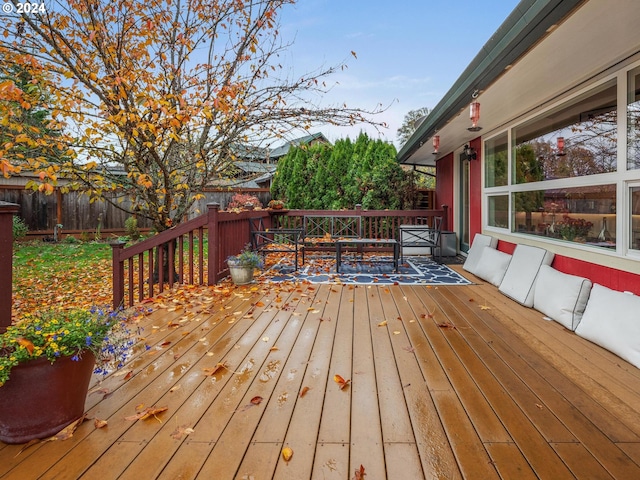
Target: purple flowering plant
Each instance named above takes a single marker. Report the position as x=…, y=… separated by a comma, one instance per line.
x=57, y=333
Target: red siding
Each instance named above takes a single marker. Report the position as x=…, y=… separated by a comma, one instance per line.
x=445, y=186
x=607, y=276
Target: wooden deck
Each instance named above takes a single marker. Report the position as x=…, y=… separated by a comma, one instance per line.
x=448, y=382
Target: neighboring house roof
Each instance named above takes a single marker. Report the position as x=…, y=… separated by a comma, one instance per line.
x=529, y=22
x=282, y=150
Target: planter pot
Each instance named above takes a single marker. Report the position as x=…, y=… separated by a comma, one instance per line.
x=41, y=398
x=241, y=275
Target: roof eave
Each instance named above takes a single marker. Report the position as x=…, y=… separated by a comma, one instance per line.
x=529, y=22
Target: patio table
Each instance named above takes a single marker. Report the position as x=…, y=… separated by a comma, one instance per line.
x=363, y=242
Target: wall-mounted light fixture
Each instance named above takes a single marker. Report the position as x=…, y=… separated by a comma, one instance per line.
x=474, y=114
x=436, y=144
x=470, y=153
x=561, y=152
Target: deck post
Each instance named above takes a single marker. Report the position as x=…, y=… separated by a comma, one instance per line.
x=7, y=211
x=117, y=274
x=213, y=249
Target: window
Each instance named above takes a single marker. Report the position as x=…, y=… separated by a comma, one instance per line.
x=498, y=211
x=579, y=214
x=633, y=120
x=634, y=228
x=588, y=126
x=496, y=161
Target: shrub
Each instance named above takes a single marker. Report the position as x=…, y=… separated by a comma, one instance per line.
x=20, y=228
x=131, y=228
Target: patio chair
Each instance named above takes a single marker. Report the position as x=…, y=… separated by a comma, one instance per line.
x=422, y=236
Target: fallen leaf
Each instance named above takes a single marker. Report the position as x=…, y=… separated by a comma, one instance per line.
x=99, y=423
x=147, y=413
x=447, y=325
x=256, y=400
x=212, y=371
x=265, y=339
x=274, y=349
x=180, y=432
x=383, y=323
x=342, y=383
x=304, y=391
x=359, y=473
x=396, y=332
x=287, y=453
x=485, y=307
x=28, y=344
x=67, y=432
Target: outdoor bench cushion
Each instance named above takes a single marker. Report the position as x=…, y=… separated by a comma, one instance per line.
x=520, y=278
x=612, y=321
x=560, y=296
x=492, y=265
x=475, y=252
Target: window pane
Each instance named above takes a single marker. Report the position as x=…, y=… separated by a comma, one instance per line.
x=635, y=219
x=581, y=214
x=495, y=154
x=499, y=211
x=589, y=129
x=633, y=120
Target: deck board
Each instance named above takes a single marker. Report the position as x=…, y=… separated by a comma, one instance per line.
x=504, y=394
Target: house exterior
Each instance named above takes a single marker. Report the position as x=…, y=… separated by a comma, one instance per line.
x=553, y=153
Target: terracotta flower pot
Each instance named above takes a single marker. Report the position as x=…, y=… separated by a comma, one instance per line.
x=41, y=398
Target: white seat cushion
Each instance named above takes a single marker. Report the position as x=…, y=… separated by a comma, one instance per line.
x=520, y=278
x=473, y=256
x=560, y=296
x=612, y=320
x=492, y=265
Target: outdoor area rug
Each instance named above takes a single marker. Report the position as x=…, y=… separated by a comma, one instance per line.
x=374, y=270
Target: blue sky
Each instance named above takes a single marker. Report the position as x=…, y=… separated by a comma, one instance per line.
x=409, y=52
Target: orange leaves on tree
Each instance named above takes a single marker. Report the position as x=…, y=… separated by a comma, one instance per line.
x=342, y=383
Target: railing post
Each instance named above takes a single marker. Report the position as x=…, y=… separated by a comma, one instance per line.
x=7, y=211
x=118, y=274
x=213, y=250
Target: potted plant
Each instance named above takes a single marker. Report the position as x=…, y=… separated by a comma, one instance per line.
x=276, y=204
x=242, y=266
x=46, y=363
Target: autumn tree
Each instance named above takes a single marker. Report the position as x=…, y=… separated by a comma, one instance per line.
x=410, y=123
x=156, y=96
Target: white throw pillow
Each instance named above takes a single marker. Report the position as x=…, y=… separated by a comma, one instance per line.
x=560, y=296
x=520, y=278
x=612, y=320
x=492, y=265
x=475, y=252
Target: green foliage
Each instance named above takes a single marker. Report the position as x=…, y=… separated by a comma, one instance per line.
x=20, y=228
x=247, y=258
x=410, y=123
x=325, y=177
x=131, y=228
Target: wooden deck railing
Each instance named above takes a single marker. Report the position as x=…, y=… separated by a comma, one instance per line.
x=197, y=250
x=7, y=211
